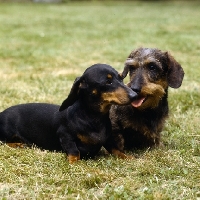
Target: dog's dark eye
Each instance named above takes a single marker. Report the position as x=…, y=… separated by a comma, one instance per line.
x=109, y=82
x=152, y=67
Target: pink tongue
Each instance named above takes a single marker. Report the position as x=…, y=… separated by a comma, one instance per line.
x=137, y=102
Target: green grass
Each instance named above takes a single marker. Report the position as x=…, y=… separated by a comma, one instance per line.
x=43, y=47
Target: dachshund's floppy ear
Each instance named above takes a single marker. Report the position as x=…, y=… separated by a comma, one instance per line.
x=175, y=72
x=73, y=95
x=129, y=61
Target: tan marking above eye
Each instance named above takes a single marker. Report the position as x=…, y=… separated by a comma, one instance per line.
x=109, y=76
x=94, y=92
x=152, y=61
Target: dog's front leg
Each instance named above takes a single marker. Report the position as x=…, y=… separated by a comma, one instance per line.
x=68, y=145
x=115, y=146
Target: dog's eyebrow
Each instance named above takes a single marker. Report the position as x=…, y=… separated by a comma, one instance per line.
x=152, y=59
x=109, y=76
x=94, y=92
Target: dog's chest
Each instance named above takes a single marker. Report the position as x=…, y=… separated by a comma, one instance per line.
x=94, y=134
x=145, y=123
x=125, y=118
x=134, y=125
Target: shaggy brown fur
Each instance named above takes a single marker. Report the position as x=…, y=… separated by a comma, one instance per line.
x=139, y=125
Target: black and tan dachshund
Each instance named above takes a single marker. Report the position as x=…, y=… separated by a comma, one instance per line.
x=139, y=124
x=80, y=126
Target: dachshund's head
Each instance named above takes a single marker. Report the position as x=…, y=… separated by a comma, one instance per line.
x=151, y=72
x=98, y=88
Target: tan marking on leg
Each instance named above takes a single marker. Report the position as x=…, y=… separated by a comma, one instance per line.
x=72, y=158
x=121, y=155
x=16, y=145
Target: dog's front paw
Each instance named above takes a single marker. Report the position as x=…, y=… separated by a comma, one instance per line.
x=17, y=145
x=121, y=155
x=72, y=158
x=129, y=157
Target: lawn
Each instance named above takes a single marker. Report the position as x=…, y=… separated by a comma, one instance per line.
x=43, y=47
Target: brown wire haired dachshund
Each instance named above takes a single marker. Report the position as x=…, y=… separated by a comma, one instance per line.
x=139, y=124
x=80, y=126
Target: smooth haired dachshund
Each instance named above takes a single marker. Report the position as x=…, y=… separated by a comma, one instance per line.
x=139, y=124
x=80, y=126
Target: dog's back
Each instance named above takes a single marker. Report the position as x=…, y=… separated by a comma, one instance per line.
x=31, y=123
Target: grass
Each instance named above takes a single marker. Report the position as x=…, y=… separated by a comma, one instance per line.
x=43, y=47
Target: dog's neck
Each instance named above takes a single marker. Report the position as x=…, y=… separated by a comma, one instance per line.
x=95, y=109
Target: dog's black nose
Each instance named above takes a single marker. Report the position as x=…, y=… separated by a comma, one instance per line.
x=136, y=86
x=136, y=89
x=132, y=95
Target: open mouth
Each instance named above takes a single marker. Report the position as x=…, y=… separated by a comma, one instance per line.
x=138, y=102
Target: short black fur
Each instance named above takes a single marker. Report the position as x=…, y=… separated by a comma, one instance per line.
x=80, y=126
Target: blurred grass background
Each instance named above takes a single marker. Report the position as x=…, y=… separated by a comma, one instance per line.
x=43, y=47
